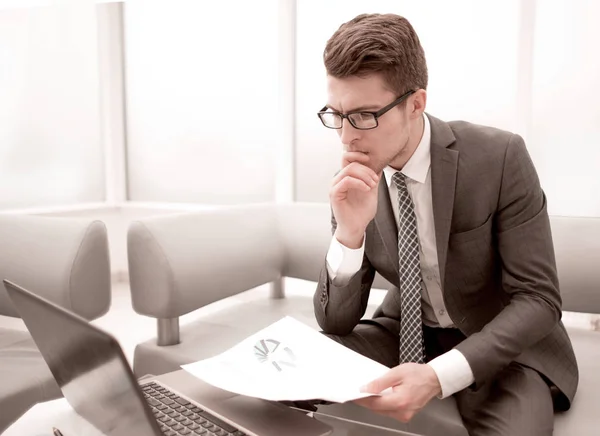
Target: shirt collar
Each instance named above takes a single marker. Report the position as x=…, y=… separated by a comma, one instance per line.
x=418, y=165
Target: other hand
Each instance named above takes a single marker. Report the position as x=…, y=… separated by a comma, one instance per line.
x=412, y=387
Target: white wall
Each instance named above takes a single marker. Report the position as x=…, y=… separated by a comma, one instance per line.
x=565, y=130
x=472, y=55
x=50, y=151
x=202, y=100
x=196, y=70
x=529, y=67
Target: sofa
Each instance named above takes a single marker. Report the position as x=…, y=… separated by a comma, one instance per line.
x=183, y=262
x=64, y=260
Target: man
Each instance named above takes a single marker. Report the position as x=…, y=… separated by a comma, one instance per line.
x=452, y=214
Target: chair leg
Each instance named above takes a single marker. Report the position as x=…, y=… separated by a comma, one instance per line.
x=168, y=331
x=277, y=288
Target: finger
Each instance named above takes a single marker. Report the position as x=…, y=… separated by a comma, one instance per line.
x=364, y=402
x=348, y=183
x=400, y=416
x=358, y=175
x=391, y=378
x=358, y=171
x=383, y=403
x=352, y=166
x=354, y=156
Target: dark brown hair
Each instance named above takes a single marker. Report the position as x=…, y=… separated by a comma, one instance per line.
x=378, y=43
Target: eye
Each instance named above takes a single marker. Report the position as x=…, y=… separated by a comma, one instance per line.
x=363, y=116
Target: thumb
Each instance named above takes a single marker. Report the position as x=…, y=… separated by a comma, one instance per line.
x=389, y=379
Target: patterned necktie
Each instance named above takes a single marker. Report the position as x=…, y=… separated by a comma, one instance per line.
x=411, y=330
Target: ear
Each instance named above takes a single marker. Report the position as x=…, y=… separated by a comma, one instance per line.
x=418, y=103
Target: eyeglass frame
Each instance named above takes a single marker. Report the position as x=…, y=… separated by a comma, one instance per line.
x=375, y=115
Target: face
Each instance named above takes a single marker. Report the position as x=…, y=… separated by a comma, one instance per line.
x=396, y=137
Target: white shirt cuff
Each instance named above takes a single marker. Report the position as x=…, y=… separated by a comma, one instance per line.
x=343, y=262
x=453, y=372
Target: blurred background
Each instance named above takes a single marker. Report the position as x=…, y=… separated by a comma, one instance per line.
x=120, y=110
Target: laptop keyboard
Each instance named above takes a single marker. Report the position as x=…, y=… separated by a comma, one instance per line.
x=176, y=416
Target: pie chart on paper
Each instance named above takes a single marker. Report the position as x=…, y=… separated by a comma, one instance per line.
x=272, y=352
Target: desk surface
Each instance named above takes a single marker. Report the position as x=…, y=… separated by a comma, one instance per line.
x=40, y=419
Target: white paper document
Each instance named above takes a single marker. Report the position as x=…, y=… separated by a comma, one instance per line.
x=289, y=361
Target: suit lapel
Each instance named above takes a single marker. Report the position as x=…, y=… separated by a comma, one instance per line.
x=444, y=165
x=386, y=224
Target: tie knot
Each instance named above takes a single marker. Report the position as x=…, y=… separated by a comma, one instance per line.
x=399, y=180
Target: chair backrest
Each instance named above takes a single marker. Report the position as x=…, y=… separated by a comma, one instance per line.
x=305, y=230
x=577, y=250
x=306, y=233
x=180, y=262
x=65, y=260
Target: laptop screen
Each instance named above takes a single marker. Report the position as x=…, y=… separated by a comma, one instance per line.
x=88, y=365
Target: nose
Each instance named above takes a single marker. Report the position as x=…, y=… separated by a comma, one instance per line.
x=348, y=133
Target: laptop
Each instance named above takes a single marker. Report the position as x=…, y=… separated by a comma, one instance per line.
x=95, y=378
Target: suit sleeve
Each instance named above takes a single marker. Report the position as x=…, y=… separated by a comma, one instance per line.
x=339, y=308
x=529, y=277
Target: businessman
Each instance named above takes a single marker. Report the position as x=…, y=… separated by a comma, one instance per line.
x=453, y=216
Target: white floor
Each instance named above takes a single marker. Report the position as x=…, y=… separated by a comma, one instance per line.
x=130, y=328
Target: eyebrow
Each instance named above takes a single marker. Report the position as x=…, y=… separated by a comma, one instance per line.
x=370, y=108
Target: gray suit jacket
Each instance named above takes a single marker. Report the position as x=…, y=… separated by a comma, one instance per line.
x=495, y=253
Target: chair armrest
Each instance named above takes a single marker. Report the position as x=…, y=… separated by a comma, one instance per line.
x=181, y=262
x=65, y=260
x=577, y=249
x=305, y=230
x=306, y=234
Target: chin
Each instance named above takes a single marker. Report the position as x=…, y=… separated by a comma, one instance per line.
x=378, y=166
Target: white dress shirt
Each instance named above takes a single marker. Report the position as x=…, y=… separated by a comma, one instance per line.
x=451, y=368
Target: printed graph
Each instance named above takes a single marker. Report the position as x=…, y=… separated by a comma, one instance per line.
x=271, y=351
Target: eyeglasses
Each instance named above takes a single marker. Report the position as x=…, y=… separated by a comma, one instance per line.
x=360, y=120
